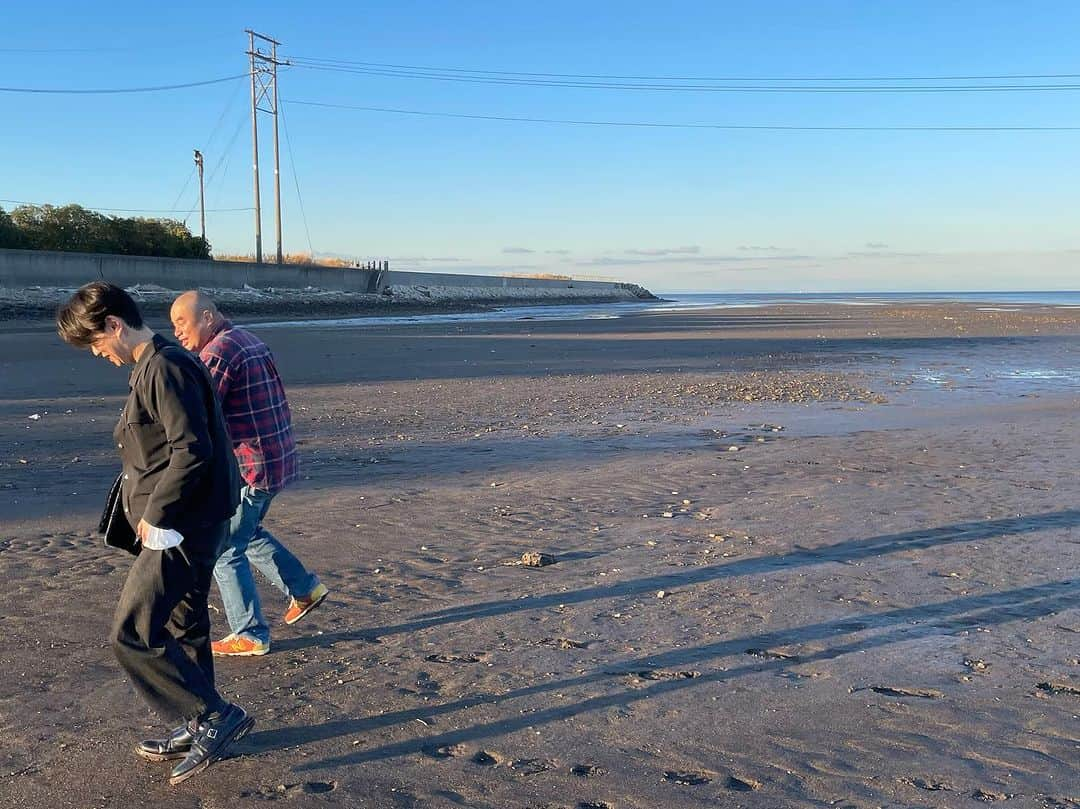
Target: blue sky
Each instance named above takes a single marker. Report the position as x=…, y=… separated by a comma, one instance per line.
x=674, y=209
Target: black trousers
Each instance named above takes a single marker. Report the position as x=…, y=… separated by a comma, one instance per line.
x=161, y=629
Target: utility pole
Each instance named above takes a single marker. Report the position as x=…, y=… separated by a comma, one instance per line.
x=202, y=194
x=264, y=88
x=277, y=161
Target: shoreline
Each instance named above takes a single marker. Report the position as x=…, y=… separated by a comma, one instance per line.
x=39, y=303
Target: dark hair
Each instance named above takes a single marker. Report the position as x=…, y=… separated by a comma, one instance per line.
x=83, y=316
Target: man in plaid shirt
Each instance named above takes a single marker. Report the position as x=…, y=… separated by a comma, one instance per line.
x=260, y=426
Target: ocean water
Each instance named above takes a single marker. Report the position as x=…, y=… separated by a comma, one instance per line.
x=746, y=299
x=683, y=301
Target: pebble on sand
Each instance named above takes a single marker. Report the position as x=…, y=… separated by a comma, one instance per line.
x=536, y=559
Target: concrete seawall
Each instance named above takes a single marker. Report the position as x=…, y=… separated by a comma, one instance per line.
x=41, y=268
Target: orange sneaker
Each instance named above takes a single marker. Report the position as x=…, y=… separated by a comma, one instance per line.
x=302, y=606
x=239, y=646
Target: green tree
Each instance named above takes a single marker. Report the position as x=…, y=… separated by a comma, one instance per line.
x=74, y=228
x=10, y=236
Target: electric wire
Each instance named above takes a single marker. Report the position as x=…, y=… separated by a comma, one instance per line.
x=123, y=210
x=116, y=90
x=296, y=180
x=662, y=125
x=209, y=141
x=706, y=88
x=1005, y=76
x=221, y=158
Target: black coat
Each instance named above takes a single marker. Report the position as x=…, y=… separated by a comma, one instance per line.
x=179, y=467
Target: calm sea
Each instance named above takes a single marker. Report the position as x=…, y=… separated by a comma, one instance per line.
x=687, y=299
x=682, y=301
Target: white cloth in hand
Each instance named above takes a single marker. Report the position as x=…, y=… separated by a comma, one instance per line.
x=158, y=539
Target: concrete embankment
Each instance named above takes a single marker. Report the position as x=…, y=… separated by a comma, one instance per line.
x=33, y=282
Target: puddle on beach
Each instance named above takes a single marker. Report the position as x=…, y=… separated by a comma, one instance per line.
x=977, y=379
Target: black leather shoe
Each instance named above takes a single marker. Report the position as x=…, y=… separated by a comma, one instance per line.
x=212, y=738
x=175, y=746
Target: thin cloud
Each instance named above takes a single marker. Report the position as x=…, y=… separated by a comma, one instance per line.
x=763, y=248
x=608, y=261
x=880, y=254
x=876, y=246
x=557, y=252
x=517, y=250
x=425, y=258
x=692, y=249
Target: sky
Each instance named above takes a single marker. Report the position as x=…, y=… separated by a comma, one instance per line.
x=674, y=209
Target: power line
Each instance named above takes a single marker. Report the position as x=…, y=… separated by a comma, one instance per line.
x=222, y=158
x=660, y=125
x=123, y=89
x=699, y=88
x=344, y=62
x=296, y=179
x=122, y=210
x=213, y=133
x=187, y=182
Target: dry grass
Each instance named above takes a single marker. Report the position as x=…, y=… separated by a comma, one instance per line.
x=292, y=258
x=546, y=276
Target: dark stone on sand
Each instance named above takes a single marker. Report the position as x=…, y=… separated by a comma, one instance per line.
x=535, y=559
x=975, y=664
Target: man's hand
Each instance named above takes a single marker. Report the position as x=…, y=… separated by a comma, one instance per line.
x=142, y=529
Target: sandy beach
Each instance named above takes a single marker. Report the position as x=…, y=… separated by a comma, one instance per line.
x=803, y=556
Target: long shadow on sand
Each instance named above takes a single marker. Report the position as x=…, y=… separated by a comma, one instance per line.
x=881, y=629
x=842, y=552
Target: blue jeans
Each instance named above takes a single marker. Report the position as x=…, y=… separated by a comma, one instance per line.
x=251, y=544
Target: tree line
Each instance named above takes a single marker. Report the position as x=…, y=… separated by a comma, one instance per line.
x=73, y=228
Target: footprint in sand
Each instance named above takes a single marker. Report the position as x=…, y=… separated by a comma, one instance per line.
x=922, y=783
x=293, y=790
x=441, y=658
x=742, y=784
x=448, y=751
x=1058, y=688
x=565, y=643
x=487, y=758
x=989, y=797
x=533, y=766
x=687, y=777
x=768, y=654
x=894, y=691
x=657, y=674
x=587, y=771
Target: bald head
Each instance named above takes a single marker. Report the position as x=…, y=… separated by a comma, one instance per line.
x=195, y=318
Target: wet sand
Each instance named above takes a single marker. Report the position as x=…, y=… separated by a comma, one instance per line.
x=804, y=556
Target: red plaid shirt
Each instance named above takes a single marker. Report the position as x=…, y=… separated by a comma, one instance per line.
x=256, y=410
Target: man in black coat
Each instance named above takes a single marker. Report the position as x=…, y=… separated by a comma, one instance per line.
x=179, y=489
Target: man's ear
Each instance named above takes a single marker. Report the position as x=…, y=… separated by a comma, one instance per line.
x=114, y=325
